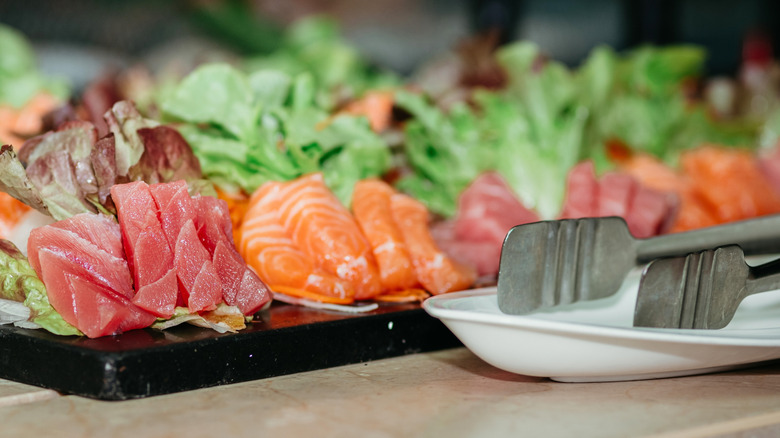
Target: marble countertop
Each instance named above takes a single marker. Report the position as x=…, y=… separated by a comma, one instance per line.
x=446, y=393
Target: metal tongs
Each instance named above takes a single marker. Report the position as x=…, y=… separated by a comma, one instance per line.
x=549, y=263
x=701, y=290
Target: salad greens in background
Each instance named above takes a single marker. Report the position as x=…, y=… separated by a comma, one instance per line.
x=247, y=129
x=20, y=79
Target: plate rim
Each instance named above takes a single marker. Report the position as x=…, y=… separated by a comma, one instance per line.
x=434, y=306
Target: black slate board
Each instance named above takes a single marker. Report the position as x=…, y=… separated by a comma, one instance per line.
x=284, y=339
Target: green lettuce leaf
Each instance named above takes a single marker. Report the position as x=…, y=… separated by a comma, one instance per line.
x=277, y=132
x=21, y=283
x=19, y=77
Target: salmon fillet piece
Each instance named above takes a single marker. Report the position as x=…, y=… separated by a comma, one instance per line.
x=371, y=207
x=437, y=272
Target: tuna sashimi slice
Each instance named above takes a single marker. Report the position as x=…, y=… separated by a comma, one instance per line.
x=241, y=287
x=212, y=220
x=101, y=314
x=437, y=272
x=160, y=297
x=105, y=236
x=83, y=256
x=147, y=245
x=269, y=249
x=87, y=286
x=616, y=190
x=174, y=205
x=371, y=206
x=138, y=218
x=484, y=256
x=488, y=209
x=581, y=192
x=200, y=284
x=648, y=212
x=324, y=229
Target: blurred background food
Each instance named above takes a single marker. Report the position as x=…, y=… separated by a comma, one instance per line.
x=666, y=113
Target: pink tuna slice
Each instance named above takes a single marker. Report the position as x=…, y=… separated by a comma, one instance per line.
x=483, y=256
x=87, y=285
x=241, y=287
x=97, y=235
x=581, y=192
x=83, y=256
x=488, y=209
x=200, y=285
x=149, y=253
x=616, y=190
x=648, y=212
x=175, y=206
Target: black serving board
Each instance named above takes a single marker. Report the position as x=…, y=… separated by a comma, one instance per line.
x=284, y=339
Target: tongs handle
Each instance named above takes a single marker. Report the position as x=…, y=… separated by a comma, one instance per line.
x=755, y=236
x=763, y=278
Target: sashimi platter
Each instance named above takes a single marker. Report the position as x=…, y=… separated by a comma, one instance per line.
x=291, y=210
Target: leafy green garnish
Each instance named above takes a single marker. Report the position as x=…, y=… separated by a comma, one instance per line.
x=21, y=283
x=19, y=77
x=249, y=129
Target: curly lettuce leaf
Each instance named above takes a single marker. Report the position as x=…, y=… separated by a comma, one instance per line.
x=69, y=171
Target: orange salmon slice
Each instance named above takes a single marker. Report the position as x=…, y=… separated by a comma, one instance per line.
x=371, y=207
x=437, y=272
x=267, y=246
x=325, y=230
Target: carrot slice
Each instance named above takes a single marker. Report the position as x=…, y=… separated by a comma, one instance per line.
x=308, y=295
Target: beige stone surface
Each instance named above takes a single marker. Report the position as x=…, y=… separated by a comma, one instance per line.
x=12, y=393
x=449, y=393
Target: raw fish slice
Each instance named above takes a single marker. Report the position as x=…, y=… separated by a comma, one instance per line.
x=647, y=213
x=200, y=284
x=267, y=247
x=371, y=206
x=484, y=256
x=96, y=235
x=581, y=192
x=160, y=297
x=241, y=287
x=91, y=307
x=488, y=209
x=730, y=181
x=615, y=193
x=11, y=212
x=148, y=249
x=174, y=205
x=212, y=220
x=100, y=313
x=687, y=210
x=437, y=272
x=327, y=232
x=83, y=257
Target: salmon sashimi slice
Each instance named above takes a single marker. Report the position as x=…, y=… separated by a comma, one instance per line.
x=325, y=230
x=267, y=246
x=11, y=212
x=731, y=182
x=691, y=212
x=437, y=272
x=371, y=207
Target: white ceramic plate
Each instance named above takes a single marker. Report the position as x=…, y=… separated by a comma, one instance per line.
x=595, y=341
